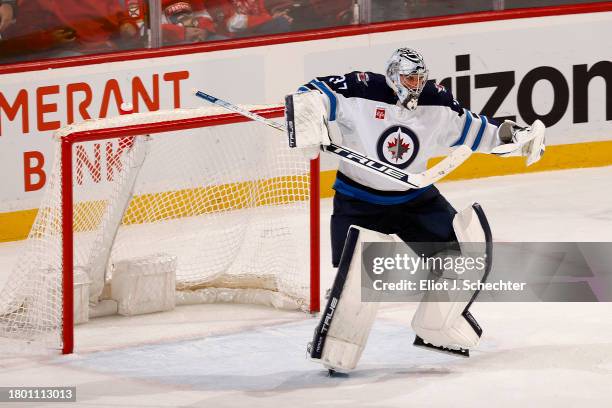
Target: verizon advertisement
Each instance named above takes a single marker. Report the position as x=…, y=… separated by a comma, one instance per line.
x=546, y=68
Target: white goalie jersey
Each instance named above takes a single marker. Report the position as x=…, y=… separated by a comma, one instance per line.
x=366, y=111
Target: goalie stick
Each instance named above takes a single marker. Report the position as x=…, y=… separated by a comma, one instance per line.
x=412, y=180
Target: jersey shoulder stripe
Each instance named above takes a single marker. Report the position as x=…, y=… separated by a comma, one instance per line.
x=333, y=101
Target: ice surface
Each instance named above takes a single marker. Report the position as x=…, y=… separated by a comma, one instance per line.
x=249, y=361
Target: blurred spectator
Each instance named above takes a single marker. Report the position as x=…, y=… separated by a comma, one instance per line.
x=182, y=21
x=50, y=28
x=7, y=13
x=241, y=18
x=311, y=14
x=186, y=21
x=180, y=24
x=333, y=13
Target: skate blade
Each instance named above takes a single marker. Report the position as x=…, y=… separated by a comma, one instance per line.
x=418, y=342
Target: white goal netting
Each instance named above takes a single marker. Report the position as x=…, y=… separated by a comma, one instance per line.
x=229, y=202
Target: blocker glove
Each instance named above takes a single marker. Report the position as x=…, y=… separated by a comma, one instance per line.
x=307, y=127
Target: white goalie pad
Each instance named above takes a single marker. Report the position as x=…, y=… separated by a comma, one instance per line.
x=343, y=331
x=306, y=115
x=442, y=320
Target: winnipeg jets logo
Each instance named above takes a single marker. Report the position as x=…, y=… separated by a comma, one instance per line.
x=398, y=145
x=397, y=148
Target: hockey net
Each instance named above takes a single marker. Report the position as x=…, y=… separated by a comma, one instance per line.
x=221, y=198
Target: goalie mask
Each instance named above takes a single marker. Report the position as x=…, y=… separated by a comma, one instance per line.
x=407, y=74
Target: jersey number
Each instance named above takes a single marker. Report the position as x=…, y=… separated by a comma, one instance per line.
x=339, y=80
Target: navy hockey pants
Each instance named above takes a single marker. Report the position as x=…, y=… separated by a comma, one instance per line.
x=427, y=218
